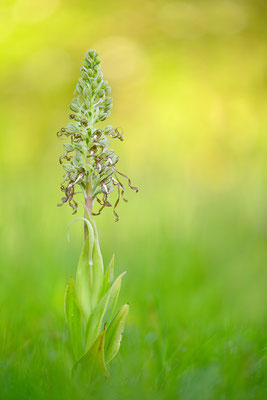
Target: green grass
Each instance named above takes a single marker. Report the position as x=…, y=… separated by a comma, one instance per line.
x=192, y=100
x=196, y=328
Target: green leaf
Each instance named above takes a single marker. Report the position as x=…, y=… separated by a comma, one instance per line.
x=98, y=271
x=84, y=276
x=74, y=320
x=97, y=252
x=102, y=313
x=109, y=276
x=92, y=364
x=98, y=267
x=114, y=333
x=114, y=294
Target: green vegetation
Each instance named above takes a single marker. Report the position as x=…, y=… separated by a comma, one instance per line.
x=91, y=166
x=189, y=87
x=196, y=327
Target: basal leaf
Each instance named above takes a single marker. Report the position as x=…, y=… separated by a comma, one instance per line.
x=98, y=274
x=114, y=333
x=102, y=313
x=84, y=282
x=74, y=319
x=92, y=364
x=113, y=301
x=109, y=276
x=97, y=270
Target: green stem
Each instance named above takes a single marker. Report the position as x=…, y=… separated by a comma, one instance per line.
x=89, y=205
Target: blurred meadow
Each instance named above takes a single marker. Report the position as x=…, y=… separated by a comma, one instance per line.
x=189, y=81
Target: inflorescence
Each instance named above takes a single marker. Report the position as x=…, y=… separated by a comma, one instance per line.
x=89, y=161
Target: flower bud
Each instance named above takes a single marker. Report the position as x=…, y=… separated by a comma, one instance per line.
x=92, y=53
x=104, y=84
x=102, y=117
x=100, y=77
x=109, y=129
x=108, y=107
x=84, y=122
x=69, y=167
x=68, y=147
x=94, y=85
x=98, y=133
x=87, y=92
x=107, y=90
x=74, y=107
x=71, y=128
x=101, y=93
x=108, y=100
x=87, y=63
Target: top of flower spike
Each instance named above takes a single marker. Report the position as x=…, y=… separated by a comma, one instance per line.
x=93, y=91
x=89, y=161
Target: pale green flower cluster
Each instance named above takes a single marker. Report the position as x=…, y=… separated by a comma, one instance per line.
x=89, y=161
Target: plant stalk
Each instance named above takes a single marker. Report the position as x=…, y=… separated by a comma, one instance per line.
x=89, y=206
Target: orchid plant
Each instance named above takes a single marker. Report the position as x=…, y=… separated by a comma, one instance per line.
x=90, y=165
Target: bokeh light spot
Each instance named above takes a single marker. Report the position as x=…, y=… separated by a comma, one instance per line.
x=33, y=11
x=122, y=58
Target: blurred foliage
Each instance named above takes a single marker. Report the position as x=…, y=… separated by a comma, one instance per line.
x=189, y=85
